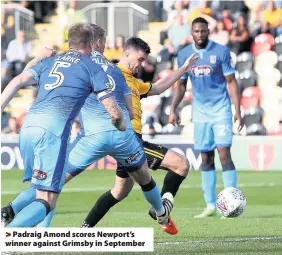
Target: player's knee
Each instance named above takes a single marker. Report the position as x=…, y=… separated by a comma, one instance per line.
x=119, y=194
x=46, y=204
x=183, y=166
x=142, y=175
x=207, y=158
x=225, y=158
x=68, y=178
x=224, y=155
x=208, y=163
x=48, y=196
x=121, y=190
x=228, y=166
x=148, y=186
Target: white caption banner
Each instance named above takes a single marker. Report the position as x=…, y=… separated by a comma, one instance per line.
x=77, y=239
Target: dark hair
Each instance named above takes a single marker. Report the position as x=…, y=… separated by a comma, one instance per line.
x=98, y=32
x=138, y=44
x=80, y=33
x=200, y=20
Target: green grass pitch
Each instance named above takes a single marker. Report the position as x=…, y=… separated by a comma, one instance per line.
x=257, y=231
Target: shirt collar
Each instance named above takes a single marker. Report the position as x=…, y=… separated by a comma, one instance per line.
x=124, y=68
x=96, y=53
x=204, y=49
x=75, y=52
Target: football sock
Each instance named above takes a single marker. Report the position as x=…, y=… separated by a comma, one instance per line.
x=23, y=199
x=31, y=215
x=208, y=186
x=101, y=207
x=229, y=175
x=172, y=181
x=46, y=222
x=152, y=194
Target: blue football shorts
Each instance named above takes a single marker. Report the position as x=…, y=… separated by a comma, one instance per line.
x=124, y=147
x=44, y=157
x=209, y=135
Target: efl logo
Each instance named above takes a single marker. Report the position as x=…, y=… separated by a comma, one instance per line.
x=203, y=70
x=39, y=175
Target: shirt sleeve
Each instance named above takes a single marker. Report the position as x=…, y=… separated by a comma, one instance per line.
x=144, y=88
x=36, y=70
x=126, y=89
x=180, y=61
x=227, y=67
x=100, y=83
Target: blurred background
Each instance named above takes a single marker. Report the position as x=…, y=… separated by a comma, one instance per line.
x=252, y=29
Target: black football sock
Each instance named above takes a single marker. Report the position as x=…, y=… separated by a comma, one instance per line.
x=172, y=181
x=102, y=206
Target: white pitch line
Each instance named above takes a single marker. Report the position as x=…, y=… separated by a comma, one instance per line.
x=136, y=187
x=223, y=240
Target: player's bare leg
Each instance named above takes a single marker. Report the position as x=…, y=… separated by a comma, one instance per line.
x=208, y=184
x=176, y=163
x=122, y=188
x=178, y=167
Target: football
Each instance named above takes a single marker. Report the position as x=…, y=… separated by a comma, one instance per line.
x=231, y=202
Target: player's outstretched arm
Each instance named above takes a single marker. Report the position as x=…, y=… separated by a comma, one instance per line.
x=129, y=106
x=233, y=90
x=45, y=52
x=179, y=92
x=115, y=112
x=163, y=84
x=23, y=79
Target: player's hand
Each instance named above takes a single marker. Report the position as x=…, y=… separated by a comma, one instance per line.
x=122, y=126
x=173, y=118
x=46, y=52
x=190, y=62
x=237, y=117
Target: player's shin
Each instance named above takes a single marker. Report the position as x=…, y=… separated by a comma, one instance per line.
x=172, y=182
x=23, y=199
x=47, y=221
x=31, y=215
x=152, y=194
x=209, y=184
x=229, y=175
x=178, y=168
x=101, y=207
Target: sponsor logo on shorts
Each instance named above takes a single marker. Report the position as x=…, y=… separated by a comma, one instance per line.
x=39, y=175
x=132, y=158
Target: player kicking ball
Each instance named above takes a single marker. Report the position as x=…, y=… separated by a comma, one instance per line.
x=213, y=85
x=89, y=146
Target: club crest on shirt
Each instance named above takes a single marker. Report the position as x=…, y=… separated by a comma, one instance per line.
x=213, y=59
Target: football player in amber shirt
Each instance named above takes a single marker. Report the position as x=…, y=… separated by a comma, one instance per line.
x=158, y=157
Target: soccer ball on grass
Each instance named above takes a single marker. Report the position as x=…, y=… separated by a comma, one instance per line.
x=231, y=202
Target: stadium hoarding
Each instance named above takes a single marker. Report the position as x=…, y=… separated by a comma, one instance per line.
x=249, y=153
